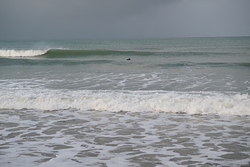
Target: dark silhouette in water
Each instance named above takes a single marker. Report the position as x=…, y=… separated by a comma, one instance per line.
x=128, y=59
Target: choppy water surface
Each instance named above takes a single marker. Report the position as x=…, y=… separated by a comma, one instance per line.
x=176, y=102
x=98, y=138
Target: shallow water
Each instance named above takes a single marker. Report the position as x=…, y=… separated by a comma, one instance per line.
x=101, y=138
x=177, y=102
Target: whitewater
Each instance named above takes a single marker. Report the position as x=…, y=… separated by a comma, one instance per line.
x=136, y=101
x=21, y=53
x=126, y=102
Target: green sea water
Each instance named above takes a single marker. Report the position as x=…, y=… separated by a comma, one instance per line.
x=125, y=102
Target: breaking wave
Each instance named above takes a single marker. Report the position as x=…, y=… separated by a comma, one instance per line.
x=21, y=53
x=17, y=57
x=64, y=53
x=132, y=101
x=61, y=53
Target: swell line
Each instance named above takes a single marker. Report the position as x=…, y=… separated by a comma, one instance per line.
x=65, y=53
x=61, y=53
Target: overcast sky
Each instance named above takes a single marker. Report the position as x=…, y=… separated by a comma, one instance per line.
x=77, y=19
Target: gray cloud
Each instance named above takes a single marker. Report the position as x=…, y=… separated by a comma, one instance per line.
x=57, y=19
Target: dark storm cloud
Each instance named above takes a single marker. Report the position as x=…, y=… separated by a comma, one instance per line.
x=48, y=19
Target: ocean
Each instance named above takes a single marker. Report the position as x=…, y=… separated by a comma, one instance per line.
x=125, y=102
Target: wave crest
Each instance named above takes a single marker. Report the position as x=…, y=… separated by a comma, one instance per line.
x=21, y=53
x=64, y=53
x=61, y=53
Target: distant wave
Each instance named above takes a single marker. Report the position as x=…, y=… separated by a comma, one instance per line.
x=59, y=53
x=52, y=58
x=63, y=53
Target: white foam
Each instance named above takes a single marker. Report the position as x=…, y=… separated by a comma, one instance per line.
x=21, y=53
x=145, y=137
x=134, y=101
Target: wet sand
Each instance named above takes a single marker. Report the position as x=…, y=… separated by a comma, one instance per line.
x=129, y=139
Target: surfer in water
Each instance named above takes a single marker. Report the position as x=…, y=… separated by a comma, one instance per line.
x=128, y=59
